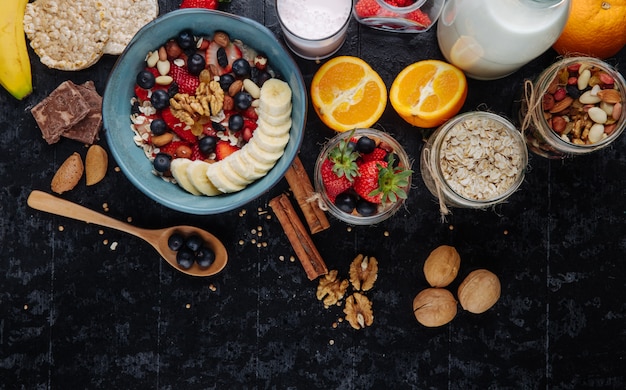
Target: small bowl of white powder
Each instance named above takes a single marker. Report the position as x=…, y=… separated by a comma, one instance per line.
x=314, y=29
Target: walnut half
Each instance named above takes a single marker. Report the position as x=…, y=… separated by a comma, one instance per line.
x=363, y=272
x=358, y=311
x=330, y=289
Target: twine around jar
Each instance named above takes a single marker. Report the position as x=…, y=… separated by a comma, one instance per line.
x=443, y=208
x=317, y=197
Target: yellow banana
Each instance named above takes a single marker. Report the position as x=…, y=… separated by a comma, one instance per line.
x=15, y=73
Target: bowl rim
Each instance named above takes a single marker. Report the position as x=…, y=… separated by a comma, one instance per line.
x=185, y=202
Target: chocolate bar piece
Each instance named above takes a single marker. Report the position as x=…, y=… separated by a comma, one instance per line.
x=86, y=131
x=61, y=110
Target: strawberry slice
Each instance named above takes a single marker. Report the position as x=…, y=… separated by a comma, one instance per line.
x=142, y=94
x=224, y=149
x=222, y=59
x=177, y=126
x=171, y=147
x=187, y=83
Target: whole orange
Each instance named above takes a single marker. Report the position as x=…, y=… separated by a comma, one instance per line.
x=595, y=28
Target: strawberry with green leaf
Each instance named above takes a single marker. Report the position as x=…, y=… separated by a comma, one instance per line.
x=381, y=182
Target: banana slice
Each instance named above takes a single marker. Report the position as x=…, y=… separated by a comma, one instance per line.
x=275, y=99
x=269, y=143
x=275, y=120
x=273, y=130
x=231, y=174
x=247, y=167
x=222, y=182
x=178, y=167
x=259, y=155
x=196, y=172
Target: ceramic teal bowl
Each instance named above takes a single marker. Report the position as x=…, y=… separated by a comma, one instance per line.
x=116, y=107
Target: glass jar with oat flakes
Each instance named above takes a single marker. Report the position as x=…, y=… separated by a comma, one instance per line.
x=575, y=107
x=475, y=160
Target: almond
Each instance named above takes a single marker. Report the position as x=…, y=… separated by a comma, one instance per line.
x=562, y=104
x=68, y=174
x=235, y=87
x=610, y=96
x=96, y=163
x=221, y=38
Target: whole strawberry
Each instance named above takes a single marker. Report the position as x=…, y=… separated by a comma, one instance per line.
x=381, y=181
x=208, y=4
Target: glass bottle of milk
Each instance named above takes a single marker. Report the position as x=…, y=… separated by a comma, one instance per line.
x=490, y=39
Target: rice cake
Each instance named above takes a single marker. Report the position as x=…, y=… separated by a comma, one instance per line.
x=67, y=34
x=126, y=18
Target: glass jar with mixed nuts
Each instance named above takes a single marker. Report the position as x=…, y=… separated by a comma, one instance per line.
x=474, y=160
x=575, y=107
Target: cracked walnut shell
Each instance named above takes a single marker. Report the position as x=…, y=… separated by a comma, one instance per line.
x=434, y=307
x=479, y=291
x=363, y=272
x=358, y=311
x=330, y=289
x=442, y=266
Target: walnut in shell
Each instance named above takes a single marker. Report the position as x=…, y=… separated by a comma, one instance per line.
x=358, y=311
x=479, y=291
x=330, y=289
x=363, y=272
x=434, y=307
x=442, y=266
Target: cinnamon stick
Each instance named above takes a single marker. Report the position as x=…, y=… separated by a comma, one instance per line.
x=298, y=236
x=302, y=189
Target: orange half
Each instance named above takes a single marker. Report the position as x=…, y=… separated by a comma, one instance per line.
x=347, y=93
x=428, y=93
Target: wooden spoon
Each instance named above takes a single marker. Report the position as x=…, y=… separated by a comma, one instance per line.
x=156, y=237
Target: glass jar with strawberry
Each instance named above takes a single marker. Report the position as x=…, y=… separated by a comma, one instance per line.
x=405, y=16
x=362, y=177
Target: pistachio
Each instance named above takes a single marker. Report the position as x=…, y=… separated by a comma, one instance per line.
x=442, y=266
x=434, y=307
x=479, y=291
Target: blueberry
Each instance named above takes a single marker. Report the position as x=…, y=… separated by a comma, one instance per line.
x=226, y=80
x=186, y=40
x=158, y=126
x=193, y=242
x=242, y=100
x=162, y=162
x=145, y=79
x=185, y=258
x=573, y=91
x=134, y=109
x=207, y=145
x=175, y=241
x=346, y=202
x=205, y=257
x=196, y=64
x=365, y=145
x=365, y=208
x=241, y=68
x=160, y=99
x=222, y=57
x=261, y=78
x=235, y=122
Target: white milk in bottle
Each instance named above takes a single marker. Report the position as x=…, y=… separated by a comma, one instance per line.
x=490, y=39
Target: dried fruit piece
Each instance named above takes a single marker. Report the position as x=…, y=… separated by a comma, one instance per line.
x=358, y=311
x=330, y=289
x=68, y=174
x=363, y=272
x=96, y=163
x=434, y=307
x=442, y=266
x=479, y=291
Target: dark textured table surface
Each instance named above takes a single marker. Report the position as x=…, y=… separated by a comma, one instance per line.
x=86, y=307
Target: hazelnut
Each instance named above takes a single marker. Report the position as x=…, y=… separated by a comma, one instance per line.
x=479, y=291
x=434, y=307
x=442, y=266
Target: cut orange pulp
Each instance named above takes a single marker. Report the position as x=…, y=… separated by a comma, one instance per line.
x=347, y=94
x=428, y=93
